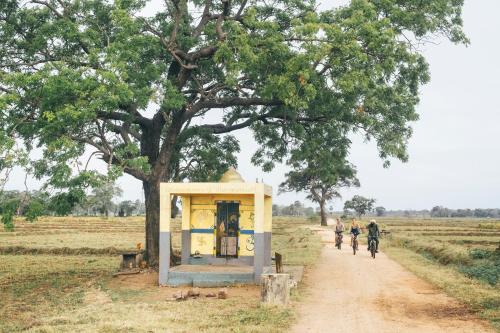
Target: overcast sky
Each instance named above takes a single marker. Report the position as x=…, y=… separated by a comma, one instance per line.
x=455, y=150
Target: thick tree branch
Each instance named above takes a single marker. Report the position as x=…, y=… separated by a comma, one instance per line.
x=125, y=117
x=124, y=133
x=240, y=11
x=177, y=21
x=49, y=6
x=205, y=18
x=106, y=157
x=230, y=102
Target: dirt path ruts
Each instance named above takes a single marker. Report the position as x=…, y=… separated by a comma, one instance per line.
x=347, y=293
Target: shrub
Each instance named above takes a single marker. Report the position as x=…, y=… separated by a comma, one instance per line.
x=8, y=220
x=485, y=272
x=34, y=210
x=480, y=254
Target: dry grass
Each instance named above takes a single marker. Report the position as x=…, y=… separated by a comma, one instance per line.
x=481, y=297
x=59, y=292
x=33, y=287
x=76, y=239
x=105, y=310
x=85, y=235
x=462, y=257
x=106, y=251
x=297, y=245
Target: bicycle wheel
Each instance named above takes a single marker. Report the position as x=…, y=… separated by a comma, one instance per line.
x=373, y=251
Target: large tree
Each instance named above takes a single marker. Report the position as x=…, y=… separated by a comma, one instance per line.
x=320, y=167
x=321, y=187
x=141, y=90
x=360, y=205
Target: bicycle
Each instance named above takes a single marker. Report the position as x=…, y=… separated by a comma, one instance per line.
x=372, y=246
x=354, y=243
x=338, y=240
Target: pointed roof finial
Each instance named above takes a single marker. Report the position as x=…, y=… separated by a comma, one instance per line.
x=231, y=176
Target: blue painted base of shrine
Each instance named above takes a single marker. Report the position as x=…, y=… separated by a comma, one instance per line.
x=210, y=275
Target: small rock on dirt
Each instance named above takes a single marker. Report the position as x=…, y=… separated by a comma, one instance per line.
x=211, y=295
x=195, y=292
x=180, y=296
x=143, y=264
x=222, y=294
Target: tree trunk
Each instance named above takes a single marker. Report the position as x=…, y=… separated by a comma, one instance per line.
x=152, y=202
x=159, y=159
x=322, y=210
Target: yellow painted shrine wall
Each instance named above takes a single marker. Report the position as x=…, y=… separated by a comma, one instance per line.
x=202, y=217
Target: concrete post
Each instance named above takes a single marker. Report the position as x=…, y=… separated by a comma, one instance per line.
x=186, y=230
x=259, y=241
x=268, y=216
x=165, y=213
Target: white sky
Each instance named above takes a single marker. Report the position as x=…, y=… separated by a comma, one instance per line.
x=455, y=150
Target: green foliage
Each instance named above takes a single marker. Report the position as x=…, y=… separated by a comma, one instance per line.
x=156, y=96
x=63, y=203
x=486, y=265
x=126, y=208
x=350, y=67
x=35, y=209
x=485, y=272
x=360, y=205
x=320, y=167
x=8, y=220
x=380, y=211
x=103, y=197
x=480, y=254
x=8, y=208
x=201, y=156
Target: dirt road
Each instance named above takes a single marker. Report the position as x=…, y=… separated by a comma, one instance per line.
x=347, y=293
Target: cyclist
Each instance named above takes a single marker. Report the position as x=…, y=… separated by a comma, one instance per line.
x=339, y=229
x=355, y=230
x=373, y=233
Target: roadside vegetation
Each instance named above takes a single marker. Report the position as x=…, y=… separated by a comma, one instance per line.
x=55, y=276
x=460, y=256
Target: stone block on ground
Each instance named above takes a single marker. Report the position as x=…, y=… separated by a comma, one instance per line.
x=275, y=289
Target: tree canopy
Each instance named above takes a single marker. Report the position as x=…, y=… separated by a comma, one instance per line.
x=143, y=90
x=360, y=205
x=320, y=167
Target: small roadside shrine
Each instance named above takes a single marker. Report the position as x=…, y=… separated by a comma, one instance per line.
x=226, y=232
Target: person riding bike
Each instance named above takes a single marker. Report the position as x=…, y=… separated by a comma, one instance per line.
x=339, y=229
x=373, y=233
x=355, y=230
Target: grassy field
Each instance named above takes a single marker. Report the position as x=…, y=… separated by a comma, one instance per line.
x=460, y=256
x=55, y=276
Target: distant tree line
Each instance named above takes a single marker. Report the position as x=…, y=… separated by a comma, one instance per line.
x=364, y=208
x=437, y=212
x=440, y=211
x=32, y=204
x=295, y=209
x=38, y=203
